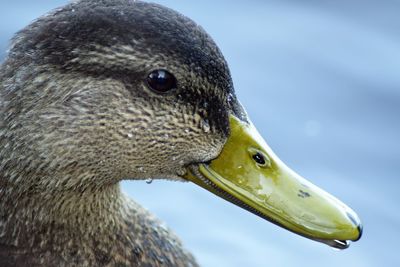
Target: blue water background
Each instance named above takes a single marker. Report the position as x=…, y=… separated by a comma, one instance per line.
x=320, y=80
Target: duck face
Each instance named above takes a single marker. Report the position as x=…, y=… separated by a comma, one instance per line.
x=140, y=88
x=137, y=90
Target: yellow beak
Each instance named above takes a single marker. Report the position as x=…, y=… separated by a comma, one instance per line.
x=248, y=174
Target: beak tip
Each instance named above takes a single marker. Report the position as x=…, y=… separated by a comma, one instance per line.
x=360, y=231
x=356, y=221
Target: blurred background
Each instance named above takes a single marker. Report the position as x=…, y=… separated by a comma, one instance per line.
x=320, y=80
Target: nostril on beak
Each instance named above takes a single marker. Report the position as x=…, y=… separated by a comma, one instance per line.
x=357, y=223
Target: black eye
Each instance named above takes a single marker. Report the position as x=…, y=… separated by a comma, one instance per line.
x=161, y=81
x=259, y=158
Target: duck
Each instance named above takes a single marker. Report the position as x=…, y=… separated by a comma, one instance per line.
x=101, y=91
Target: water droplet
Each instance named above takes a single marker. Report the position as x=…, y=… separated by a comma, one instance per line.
x=149, y=181
x=230, y=96
x=181, y=172
x=173, y=158
x=241, y=180
x=186, y=130
x=140, y=169
x=130, y=135
x=205, y=125
x=166, y=136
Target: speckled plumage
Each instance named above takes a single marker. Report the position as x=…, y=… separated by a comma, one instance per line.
x=77, y=117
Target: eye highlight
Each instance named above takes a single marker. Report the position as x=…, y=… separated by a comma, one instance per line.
x=161, y=81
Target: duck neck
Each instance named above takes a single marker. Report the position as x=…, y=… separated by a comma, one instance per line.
x=26, y=217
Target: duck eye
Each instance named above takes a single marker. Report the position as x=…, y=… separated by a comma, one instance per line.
x=161, y=81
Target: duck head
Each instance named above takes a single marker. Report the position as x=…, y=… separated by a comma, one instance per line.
x=100, y=91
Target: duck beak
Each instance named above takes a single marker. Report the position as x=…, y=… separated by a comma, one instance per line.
x=248, y=174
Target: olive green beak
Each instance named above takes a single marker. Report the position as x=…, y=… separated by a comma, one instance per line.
x=248, y=174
